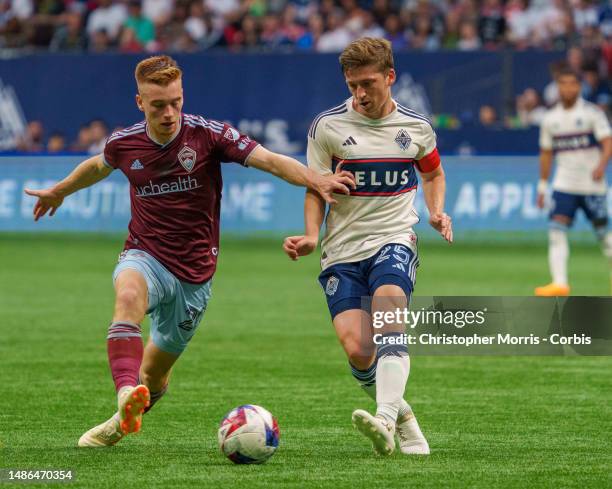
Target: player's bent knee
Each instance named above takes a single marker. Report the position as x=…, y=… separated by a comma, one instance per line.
x=130, y=304
x=359, y=353
x=360, y=360
x=130, y=298
x=389, y=298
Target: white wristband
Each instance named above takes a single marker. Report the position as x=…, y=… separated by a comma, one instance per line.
x=542, y=186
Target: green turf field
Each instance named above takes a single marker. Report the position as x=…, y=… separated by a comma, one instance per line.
x=266, y=339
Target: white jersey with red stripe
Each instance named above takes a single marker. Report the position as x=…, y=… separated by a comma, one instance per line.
x=573, y=134
x=384, y=155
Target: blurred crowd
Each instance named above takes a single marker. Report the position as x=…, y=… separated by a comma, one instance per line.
x=529, y=106
x=91, y=139
x=580, y=28
x=314, y=25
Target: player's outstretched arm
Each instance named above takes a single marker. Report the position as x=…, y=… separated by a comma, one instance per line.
x=434, y=189
x=314, y=212
x=87, y=173
x=294, y=172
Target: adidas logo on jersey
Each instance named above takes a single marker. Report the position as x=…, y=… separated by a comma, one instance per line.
x=136, y=165
x=349, y=142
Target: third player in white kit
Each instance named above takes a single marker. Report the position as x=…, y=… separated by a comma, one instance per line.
x=369, y=254
x=578, y=134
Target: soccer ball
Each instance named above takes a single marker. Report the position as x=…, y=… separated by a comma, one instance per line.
x=248, y=435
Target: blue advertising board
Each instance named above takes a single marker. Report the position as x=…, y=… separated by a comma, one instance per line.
x=483, y=193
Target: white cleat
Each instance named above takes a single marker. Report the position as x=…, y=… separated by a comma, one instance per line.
x=378, y=430
x=410, y=437
x=103, y=435
x=132, y=403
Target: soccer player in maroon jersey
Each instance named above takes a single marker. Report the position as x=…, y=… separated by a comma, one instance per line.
x=173, y=163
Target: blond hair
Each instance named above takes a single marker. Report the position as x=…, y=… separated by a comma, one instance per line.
x=365, y=52
x=160, y=70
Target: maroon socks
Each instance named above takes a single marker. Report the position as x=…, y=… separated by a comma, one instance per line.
x=125, y=349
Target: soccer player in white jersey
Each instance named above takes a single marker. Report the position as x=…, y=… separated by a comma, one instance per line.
x=578, y=134
x=369, y=253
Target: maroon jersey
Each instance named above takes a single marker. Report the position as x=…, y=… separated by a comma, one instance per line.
x=175, y=191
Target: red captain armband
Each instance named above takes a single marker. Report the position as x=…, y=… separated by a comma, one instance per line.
x=430, y=162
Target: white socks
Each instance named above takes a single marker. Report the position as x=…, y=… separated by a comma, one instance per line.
x=404, y=408
x=385, y=381
x=391, y=377
x=558, y=254
x=558, y=251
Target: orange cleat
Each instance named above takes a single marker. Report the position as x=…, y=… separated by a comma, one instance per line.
x=131, y=408
x=552, y=290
